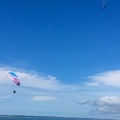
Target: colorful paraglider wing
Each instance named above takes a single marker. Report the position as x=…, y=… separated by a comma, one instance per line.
x=14, y=77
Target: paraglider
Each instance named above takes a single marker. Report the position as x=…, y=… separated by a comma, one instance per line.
x=14, y=78
x=104, y=4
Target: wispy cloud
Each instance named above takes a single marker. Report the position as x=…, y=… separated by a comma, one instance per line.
x=33, y=79
x=30, y=79
x=48, y=82
x=42, y=87
x=105, y=105
x=106, y=78
x=110, y=103
x=44, y=98
x=4, y=97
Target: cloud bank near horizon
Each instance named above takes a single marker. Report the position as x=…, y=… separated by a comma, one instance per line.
x=33, y=80
x=104, y=105
x=41, y=88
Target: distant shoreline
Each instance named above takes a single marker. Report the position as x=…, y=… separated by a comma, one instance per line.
x=52, y=117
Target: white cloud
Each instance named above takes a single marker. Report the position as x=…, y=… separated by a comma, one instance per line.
x=3, y=78
x=106, y=78
x=4, y=97
x=35, y=80
x=47, y=88
x=92, y=84
x=30, y=79
x=105, y=105
x=43, y=98
x=38, y=81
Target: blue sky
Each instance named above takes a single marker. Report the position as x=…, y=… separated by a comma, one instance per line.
x=66, y=54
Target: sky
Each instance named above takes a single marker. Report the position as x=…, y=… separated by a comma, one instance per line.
x=66, y=54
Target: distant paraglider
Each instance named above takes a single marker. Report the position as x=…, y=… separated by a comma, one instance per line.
x=104, y=4
x=104, y=7
x=14, y=78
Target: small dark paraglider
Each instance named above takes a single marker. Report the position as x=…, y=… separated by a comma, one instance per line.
x=104, y=4
x=104, y=7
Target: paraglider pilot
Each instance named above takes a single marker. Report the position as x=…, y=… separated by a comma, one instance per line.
x=14, y=91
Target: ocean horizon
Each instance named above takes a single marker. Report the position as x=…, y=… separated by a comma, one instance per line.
x=23, y=117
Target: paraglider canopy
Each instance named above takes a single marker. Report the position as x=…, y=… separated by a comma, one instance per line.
x=14, y=77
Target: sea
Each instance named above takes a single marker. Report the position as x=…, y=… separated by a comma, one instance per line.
x=45, y=118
